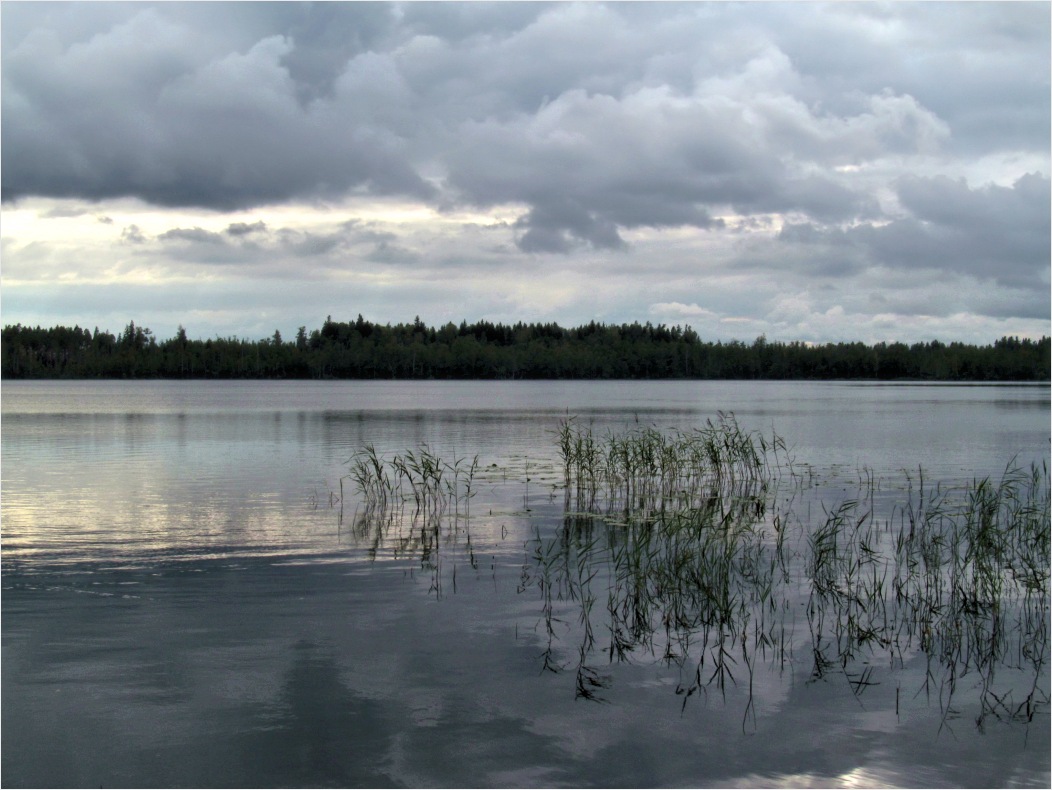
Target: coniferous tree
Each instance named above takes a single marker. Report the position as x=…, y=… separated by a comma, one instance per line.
x=487, y=350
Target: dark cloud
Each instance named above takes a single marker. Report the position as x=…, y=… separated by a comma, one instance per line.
x=456, y=22
x=951, y=202
x=325, y=37
x=303, y=244
x=64, y=212
x=71, y=212
x=589, y=120
x=994, y=233
x=796, y=233
x=258, y=245
x=589, y=165
x=246, y=228
x=391, y=253
x=1000, y=233
x=559, y=226
x=982, y=68
x=132, y=234
x=134, y=110
x=200, y=246
x=819, y=197
x=192, y=235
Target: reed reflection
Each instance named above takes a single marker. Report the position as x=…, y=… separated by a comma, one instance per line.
x=713, y=551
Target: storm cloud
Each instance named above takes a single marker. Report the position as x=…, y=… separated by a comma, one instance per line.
x=806, y=144
x=994, y=233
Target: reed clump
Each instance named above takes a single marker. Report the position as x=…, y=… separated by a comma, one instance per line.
x=678, y=530
x=420, y=476
x=646, y=470
x=695, y=548
x=958, y=576
x=405, y=500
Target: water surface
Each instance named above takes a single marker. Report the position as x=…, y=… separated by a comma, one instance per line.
x=188, y=601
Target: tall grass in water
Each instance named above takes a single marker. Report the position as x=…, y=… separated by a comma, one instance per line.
x=671, y=523
x=962, y=576
x=693, y=574
x=646, y=470
x=422, y=476
x=412, y=494
x=695, y=548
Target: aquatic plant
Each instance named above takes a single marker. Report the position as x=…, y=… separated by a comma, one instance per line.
x=695, y=548
x=962, y=576
x=647, y=470
x=433, y=483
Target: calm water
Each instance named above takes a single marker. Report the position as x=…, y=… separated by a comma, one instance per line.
x=187, y=600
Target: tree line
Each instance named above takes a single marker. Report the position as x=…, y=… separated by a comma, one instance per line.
x=362, y=349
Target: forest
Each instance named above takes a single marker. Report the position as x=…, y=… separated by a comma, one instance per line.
x=361, y=349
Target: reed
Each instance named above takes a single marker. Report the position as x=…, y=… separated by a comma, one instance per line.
x=698, y=547
x=687, y=558
x=646, y=470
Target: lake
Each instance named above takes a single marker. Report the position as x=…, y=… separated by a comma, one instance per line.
x=202, y=586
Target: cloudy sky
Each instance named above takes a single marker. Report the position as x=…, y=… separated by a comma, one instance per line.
x=809, y=172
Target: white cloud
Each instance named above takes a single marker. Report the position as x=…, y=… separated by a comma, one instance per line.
x=680, y=310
